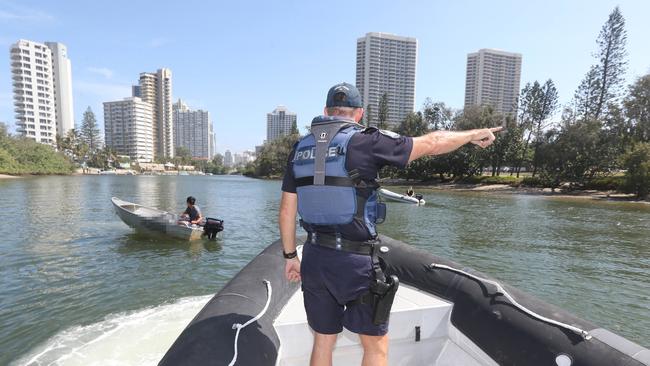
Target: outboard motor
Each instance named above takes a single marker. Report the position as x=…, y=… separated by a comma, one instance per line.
x=212, y=227
x=419, y=196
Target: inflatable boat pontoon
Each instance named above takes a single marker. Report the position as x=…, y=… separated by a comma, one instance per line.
x=392, y=196
x=443, y=314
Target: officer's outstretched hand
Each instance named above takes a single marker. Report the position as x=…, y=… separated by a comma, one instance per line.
x=485, y=136
x=292, y=269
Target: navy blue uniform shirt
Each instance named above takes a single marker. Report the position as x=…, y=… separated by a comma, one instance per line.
x=368, y=151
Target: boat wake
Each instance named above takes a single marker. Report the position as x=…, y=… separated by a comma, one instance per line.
x=136, y=338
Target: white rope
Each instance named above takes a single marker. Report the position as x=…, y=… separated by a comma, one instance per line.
x=239, y=327
x=503, y=291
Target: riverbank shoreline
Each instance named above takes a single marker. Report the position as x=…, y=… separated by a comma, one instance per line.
x=613, y=196
x=507, y=189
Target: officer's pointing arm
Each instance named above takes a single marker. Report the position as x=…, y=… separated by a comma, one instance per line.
x=442, y=142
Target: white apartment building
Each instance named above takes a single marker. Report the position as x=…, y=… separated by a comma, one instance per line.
x=493, y=78
x=247, y=156
x=62, y=87
x=156, y=89
x=42, y=88
x=193, y=130
x=386, y=63
x=279, y=123
x=128, y=128
x=238, y=159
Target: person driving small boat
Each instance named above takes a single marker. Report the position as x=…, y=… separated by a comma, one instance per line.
x=192, y=214
x=409, y=192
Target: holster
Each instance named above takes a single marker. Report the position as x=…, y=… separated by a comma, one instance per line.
x=383, y=297
x=381, y=293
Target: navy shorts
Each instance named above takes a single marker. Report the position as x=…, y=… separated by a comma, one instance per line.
x=330, y=279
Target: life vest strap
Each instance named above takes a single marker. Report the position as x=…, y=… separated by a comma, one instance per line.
x=329, y=181
x=338, y=182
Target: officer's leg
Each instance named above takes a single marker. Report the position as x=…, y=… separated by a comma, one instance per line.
x=324, y=313
x=375, y=350
x=321, y=353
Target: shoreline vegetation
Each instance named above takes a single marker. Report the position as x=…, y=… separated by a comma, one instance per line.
x=24, y=156
x=514, y=188
x=488, y=185
x=21, y=156
x=80, y=152
x=508, y=189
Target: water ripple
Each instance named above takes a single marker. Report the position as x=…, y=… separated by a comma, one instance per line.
x=72, y=263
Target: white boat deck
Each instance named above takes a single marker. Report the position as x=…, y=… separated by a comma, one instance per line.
x=440, y=343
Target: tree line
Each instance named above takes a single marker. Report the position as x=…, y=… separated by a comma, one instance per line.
x=20, y=155
x=600, y=139
x=84, y=146
x=80, y=147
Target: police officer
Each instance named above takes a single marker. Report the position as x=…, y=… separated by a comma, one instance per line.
x=330, y=181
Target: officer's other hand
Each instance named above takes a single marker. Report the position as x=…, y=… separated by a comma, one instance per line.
x=292, y=269
x=485, y=136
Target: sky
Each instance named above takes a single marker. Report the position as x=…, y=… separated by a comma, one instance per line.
x=240, y=59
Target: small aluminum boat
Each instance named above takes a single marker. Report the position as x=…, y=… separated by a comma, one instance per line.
x=152, y=220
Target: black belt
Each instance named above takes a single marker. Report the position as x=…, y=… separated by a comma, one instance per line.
x=338, y=243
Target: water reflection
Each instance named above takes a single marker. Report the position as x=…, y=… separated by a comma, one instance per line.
x=163, y=245
x=66, y=259
x=583, y=255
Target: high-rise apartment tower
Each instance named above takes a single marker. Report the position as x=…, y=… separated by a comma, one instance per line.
x=386, y=64
x=156, y=89
x=62, y=87
x=493, y=78
x=42, y=88
x=193, y=130
x=279, y=123
x=128, y=128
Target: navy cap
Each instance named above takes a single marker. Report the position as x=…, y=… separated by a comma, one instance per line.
x=344, y=95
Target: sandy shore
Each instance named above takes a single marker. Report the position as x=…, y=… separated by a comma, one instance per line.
x=5, y=176
x=507, y=189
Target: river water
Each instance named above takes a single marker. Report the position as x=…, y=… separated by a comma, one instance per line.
x=80, y=287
